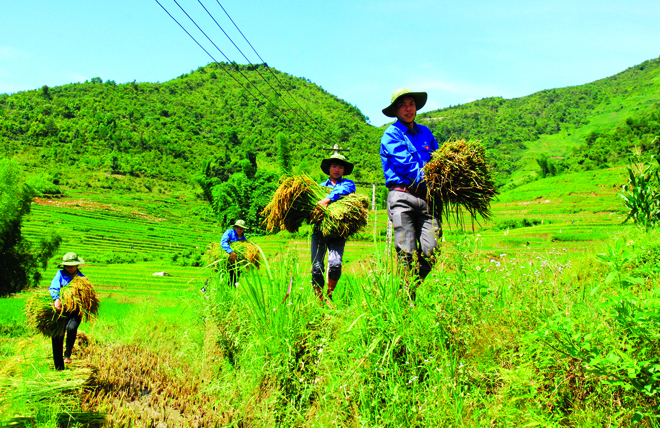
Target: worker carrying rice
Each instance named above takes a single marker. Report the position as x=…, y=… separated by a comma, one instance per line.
x=234, y=234
x=336, y=167
x=68, y=271
x=405, y=148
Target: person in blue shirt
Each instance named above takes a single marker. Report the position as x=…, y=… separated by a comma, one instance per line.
x=336, y=167
x=69, y=270
x=236, y=233
x=405, y=148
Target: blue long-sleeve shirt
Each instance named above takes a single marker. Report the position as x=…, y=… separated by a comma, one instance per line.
x=343, y=187
x=404, y=152
x=228, y=237
x=62, y=278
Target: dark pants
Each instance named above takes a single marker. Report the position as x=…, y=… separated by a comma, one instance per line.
x=234, y=273
x=335, y=249
x=58, y=342
x=415, y=232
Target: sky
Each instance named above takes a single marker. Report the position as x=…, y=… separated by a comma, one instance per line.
x=358, y=50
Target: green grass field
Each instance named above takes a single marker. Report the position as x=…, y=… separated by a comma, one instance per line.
x=521, y=323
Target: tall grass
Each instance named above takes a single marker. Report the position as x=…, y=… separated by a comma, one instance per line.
x=553, y=337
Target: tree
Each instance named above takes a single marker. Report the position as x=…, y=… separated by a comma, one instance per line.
x=641, y=195
x=233, y=141
x=283, y=153
x=213, y=173
x=21, y=266
x=45, y=92
x=548, y=167
x=243, y=198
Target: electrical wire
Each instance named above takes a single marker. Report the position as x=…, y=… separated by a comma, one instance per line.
x=207, y=52
x=301, y=129
x=256, y=69
x=244, y=56
x=262, y=60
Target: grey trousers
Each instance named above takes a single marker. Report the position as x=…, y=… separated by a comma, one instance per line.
x=335, y=248
x=415, y=231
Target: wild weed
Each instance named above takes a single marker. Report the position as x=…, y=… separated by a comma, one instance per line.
x=641, y=195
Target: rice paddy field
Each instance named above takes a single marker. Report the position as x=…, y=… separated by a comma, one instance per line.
x=545, y=315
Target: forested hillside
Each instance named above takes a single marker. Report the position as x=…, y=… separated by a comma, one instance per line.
x=584, y=127
x=204, y=126
x=80, y=134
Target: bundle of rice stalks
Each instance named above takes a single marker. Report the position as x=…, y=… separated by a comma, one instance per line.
x=459, y=176
x=345, y=216
x=247, y=253
x=292, y=203
x=78, y=298
x=295, y=201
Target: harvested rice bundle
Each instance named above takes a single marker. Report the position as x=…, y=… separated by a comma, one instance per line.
x=247, y=253
x=459, y=175
x=292, y=203
x=78, y=298
x=295, y=201
x=345, y=216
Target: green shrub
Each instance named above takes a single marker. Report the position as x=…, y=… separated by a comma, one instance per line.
x=21, y=264
x=641, y=195
x=513, y=224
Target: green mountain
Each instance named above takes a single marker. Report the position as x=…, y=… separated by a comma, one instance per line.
x=158, y=136
x=147, y=135
x=576, y=128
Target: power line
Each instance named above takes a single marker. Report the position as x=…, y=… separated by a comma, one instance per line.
x=239, y=30
x=219, y=50
x=245, y=77
x=239, y=71
x=264, y=62
x=207, y=52
x=246, y=58
x=259, y=72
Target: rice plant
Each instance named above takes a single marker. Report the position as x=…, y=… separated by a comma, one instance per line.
x=460, y=176
x=78, y=299
x=536, y=337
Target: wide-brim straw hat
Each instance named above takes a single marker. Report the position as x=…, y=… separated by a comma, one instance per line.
x=336, y=158
x=420, y=100
x=241, y=224
x=72, y=259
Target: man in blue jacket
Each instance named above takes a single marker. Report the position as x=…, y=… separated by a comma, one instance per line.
x=336, y=166
x=405, y=148
x=232, y=235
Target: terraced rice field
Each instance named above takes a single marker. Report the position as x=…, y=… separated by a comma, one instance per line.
x=577, y=212
x=98, y=231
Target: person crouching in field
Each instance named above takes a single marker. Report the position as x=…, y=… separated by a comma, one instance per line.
x=336, y=166
x=68, y=271
x=236, y=233
x=405, y=148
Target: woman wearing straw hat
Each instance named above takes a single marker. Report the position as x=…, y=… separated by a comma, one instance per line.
x=405, y=148
x=336, y=167
x=236, y=233
x=68, y=271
